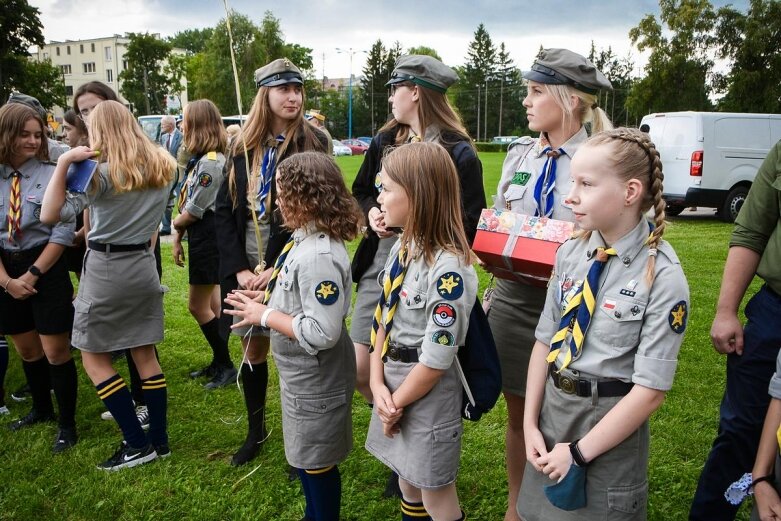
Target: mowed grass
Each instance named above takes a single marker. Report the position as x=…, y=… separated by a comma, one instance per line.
x=197, y=482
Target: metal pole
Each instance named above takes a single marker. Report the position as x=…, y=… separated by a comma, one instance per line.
x=350, y=104
x=485, y=112
x=478, y=112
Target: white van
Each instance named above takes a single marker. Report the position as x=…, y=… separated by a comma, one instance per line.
x=710, y=159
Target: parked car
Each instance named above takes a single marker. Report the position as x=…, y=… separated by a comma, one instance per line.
x=710, y=159
x=151, y=126
x=357, y=147
x=366, y=140
x=503, y=140
x=234, y=120
x=341, y=149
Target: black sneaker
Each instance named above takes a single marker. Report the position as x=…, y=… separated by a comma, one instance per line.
x=163, y=451
x=206, y=372
x=32, y=418
x=66, y=438
x=21, y=394
x=126, y=457
x=225, y=375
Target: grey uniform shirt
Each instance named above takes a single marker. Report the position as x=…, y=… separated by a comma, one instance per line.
x=314, y=287
x=434, y=306
x=522, y=168
x=635, y=331
x=118, y=218
x=35, y=179
x=203, y=182
x=775, y=382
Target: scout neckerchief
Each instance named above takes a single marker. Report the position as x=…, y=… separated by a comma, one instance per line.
x=277, y=268
x=267, y=173
x=185, y=186
x=543, y=189
x=390, y=297
x=576, y=318
x=15, y=207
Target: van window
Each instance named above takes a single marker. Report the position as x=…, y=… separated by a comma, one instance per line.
x=751, y=133
x=679, y=132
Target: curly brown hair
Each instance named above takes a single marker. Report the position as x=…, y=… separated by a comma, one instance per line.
x=311, y=188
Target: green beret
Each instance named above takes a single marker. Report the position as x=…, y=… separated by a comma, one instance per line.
x=278, y=72
x=425, y=71
x=564, y=67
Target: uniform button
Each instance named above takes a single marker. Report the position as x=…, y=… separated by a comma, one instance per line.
x=322, y=236
x=617, y=314
x=626, y=261
x=455, y=435
x=323, y=406
x=589, y=254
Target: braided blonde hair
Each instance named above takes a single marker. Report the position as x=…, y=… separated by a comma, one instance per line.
x=634, y=156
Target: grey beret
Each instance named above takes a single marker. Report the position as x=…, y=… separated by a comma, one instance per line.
x=564, y=67
x=31, y=102
x=425, y=71
x=278, y=72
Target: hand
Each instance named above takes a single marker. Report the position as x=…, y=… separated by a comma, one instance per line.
x=178, y=225
x=383, y=404
x=74, y=155
x=377, y=223
x=767, y=501
x=20, y=289
x=259, y=282
x=535, y=446
x=727, y=333
x=78, y=238
x=557, y=462
x=178, y=253
x=244, y=277
x=245, y=308
x=257, y=296
x=390, y=429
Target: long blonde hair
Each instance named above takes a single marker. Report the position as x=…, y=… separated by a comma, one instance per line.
x=426, y=173
x=134, y=162
x=586, y=110
x=632, y=155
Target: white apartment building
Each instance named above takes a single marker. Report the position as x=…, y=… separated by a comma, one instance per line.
x=98, y=59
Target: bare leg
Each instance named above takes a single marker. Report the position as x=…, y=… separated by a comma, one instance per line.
x=515, y=452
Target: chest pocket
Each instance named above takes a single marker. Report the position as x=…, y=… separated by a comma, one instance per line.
x=514, y=194
x=620, y=320
x=412, y=298
x=285, y=278
x=32, y=208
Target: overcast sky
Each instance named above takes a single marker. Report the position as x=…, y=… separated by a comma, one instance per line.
x=325, y=25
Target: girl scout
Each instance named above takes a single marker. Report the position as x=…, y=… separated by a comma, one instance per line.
x=561, y=99
x=312, y=350
x=35, y=306
x=420, y=320
x=421, y=111
x=251, y=236
x=205, y=137
x=120, y=301
x=607, y=340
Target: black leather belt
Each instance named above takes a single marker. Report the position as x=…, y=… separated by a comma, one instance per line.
x=581, y=387
x=108, y=248
x=406, y=355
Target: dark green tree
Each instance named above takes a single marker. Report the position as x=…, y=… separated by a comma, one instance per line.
x=20, y=26
x=143, y=83
x=751, y=42
x=422, y=49
x=191, y=40
x=678, y=69
x=43, y=81
x=619, y=72
x=476, y=80
x=374, y=94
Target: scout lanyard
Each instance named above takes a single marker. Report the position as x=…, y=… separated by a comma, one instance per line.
x=14, y=217
x=391, y=289
x=272, y=282
x=183, y=194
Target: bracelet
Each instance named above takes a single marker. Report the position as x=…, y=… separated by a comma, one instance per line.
x=768, y=478
x=577, y=456
x=265, y=315
x=5, y=286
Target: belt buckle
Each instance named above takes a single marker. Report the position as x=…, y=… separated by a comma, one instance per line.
x=567, y=384
x=393, y=353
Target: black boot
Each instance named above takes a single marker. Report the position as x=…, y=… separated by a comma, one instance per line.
x=255, y=379
x=37, y=374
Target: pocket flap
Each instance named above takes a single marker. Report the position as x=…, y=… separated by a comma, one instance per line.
x=412, y=298
x=621, y=309
x=321, y=404
x=449, y=432
x=514, y=192
x=629, y=499
x=81, y=306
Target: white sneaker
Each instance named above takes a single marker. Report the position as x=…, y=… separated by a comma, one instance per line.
x=4, y=410
x=106, y=415
x=142, y=413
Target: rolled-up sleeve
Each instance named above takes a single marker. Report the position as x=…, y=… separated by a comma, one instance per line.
x=322, y=293
x=758, y=218
x=205, y=183
x=664, y=324
x=63, y=233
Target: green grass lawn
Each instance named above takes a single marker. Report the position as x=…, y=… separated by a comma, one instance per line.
x=197, y=482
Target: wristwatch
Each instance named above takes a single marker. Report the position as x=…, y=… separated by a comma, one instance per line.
x=34, y=270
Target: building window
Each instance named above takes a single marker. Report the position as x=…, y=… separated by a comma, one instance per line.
x=58, y=51
x=69, y=90
x=107, y=52
x=65, y=69
x=68, y=48
x=46, y=56
x=81, y=48
x=124, y=65
x=109, y=75
x=89, y=67
x=92, y=47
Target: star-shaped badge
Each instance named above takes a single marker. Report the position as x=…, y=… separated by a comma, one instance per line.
x=450, y=286
x=327, y=292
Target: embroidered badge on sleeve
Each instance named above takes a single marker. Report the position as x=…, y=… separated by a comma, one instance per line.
x=677, y=317
x=444, y=315
x=443, y=338
x=205, y=180
x=450, y=286
x=327, y=292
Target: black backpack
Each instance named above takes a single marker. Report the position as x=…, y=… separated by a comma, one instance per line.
x=479, y=367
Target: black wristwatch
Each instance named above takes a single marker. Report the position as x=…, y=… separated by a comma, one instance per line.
x=34, y=270
x=577, y=457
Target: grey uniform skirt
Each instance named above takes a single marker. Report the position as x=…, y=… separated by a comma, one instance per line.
x=367, y=293
x=120, y=302
x=616, y=481
x=251, y=251
x=427, y=451
x=515, y=311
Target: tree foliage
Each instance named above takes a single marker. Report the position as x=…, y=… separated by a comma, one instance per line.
x=619, y=72
x=191, y=40
x=427, y=51
x=373, y=93
x=144, y=83
x=20, y=26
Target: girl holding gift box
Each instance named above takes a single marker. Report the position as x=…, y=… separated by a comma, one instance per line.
x=607, y=341
x=561, y=99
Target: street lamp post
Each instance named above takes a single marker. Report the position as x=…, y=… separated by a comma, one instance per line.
x=351, y=52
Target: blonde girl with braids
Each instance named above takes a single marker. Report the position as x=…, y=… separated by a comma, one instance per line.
x=607, y=341
x=245, y=210
x=120, y=301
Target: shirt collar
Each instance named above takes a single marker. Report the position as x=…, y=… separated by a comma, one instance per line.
x=24, y=169
x=569, y=147
x=627, y=247
x=305, y=231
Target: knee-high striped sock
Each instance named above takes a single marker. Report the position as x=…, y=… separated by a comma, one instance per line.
x=325, y=493
x=413, y=511
x=116, y=397
x=156, y=398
